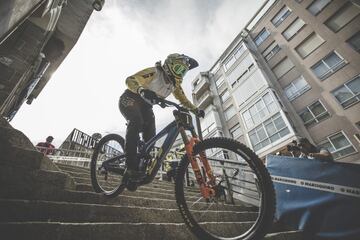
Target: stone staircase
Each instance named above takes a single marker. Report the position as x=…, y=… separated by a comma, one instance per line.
x=40, y=200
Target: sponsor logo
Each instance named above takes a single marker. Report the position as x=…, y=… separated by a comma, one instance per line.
x=321, y=186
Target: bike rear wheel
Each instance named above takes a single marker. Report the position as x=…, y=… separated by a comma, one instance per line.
x=243, y=205
x=106, y=176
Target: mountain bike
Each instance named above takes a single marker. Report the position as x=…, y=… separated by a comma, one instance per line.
x=223, y=169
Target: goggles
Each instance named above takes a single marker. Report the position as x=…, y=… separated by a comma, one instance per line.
x=179, y=69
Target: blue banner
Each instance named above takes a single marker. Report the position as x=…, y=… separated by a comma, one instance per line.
x=321, y=198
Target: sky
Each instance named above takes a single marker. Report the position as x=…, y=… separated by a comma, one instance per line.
x=122, y=39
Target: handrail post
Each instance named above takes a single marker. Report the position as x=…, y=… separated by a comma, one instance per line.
x=198, y=127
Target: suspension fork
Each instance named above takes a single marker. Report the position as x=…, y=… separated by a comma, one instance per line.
x=205, y=186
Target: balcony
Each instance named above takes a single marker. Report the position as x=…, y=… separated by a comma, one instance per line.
x=211, y=123
x=204, y=101
x=200, y=85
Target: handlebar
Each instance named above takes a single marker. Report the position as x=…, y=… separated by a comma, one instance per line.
x=166, y=103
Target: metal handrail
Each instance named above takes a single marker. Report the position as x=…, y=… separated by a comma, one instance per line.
x=71, y=157
x=83, y=158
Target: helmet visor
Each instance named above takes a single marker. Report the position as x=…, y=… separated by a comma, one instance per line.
x=180, y=69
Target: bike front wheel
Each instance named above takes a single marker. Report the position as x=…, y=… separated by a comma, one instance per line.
x=108, y=165
x=242, y=203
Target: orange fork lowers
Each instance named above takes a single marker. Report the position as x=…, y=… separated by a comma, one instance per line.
x=206, y=189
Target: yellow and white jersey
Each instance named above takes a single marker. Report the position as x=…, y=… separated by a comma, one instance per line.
x=155, y=80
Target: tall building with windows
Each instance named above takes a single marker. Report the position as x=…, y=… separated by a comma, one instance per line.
x=240, y=102
x=293, y=73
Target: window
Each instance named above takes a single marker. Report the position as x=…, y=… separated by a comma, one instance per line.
x=339, y=145
x=281, y=16
x=229, y=112
x=283, y=67
x=208, y=123
x=229, y=62
x=239, y=51
x=316, y=6
x=293, y=29
x=354, y=42
x=241, y=71
x=349, y=93
x=196, y=83
x=236, y=54
x=296, y=88
x=342, y=17
x=239, y=78
x=271, y=51
x=236, y=131
x=242, y=75
x=261, y=37
x=221, y=156
x=309, y=45
x=208, y=130
x=268, y=132
x=219, y=81
x=328, y=65
x=260, y=110
x=224, y=95
x=314, y=113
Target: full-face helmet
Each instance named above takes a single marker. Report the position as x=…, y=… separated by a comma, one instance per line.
x=179, y=64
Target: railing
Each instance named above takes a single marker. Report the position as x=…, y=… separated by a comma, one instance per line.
x=201, y=84
x=332, y=69
x=66, y=156
x=203, y=97
x=242, y=185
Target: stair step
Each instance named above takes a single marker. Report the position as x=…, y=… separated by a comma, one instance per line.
x=290, y=235
x=110, y=231
x=124, y=200
x=144, y=188
x=72, y=168
x=49, y=211
x=85, y=174
x=21, y=181
x=139, y=193
x=11, y=137
x=38, y=201
x=22, y=158
x=89, y=231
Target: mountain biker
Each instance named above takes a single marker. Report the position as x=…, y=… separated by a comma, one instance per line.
x=143, y=90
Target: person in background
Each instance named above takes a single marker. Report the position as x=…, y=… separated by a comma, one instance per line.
x=311, y=151
x=46, y=147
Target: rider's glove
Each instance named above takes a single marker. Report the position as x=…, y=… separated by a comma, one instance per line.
x=199, y=113
x=148, y=95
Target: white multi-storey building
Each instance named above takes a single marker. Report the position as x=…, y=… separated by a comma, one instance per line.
x=293, y=73
x=240, y=103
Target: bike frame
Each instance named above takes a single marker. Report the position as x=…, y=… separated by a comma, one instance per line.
x=183, y=122
x=172, y=132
